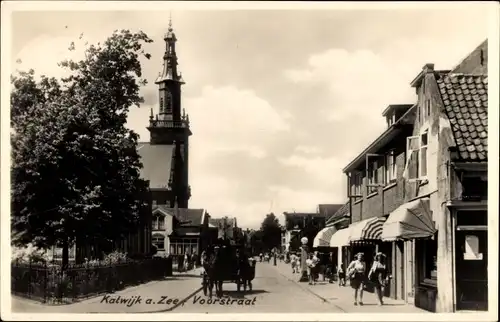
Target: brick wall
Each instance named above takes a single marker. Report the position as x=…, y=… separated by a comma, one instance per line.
x=394, y=196
x=387, y=198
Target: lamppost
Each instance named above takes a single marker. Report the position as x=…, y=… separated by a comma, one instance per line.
x=303, y=258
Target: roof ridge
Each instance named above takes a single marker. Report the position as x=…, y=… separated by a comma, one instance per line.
x=467, y=74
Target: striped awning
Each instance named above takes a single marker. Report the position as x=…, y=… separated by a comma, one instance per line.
x=322, y=239
x=340, y=238
x=409, y=221
x=368, y=229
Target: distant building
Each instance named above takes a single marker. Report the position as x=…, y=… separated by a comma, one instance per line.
x=298, y=225
x=177, y=231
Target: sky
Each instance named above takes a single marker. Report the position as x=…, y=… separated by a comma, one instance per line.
x=280, y=101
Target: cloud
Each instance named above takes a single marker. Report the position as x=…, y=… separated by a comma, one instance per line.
x=307, y=149
x=228, y=118
x=273, y=122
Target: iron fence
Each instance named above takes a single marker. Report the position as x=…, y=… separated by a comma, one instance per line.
x=48, y=283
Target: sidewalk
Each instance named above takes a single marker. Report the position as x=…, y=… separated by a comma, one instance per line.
x=155, y=296
x=343, y=296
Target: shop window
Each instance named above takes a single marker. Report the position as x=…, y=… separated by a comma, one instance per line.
x=474, y=188
x=183, y=246
x=428, y=267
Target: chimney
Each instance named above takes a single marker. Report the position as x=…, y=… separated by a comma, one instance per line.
x=428, y=68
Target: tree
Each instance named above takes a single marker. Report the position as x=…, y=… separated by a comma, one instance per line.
x=75, y=167
x=271, y=232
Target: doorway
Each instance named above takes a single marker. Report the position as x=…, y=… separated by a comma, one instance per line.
x=471, y=258
x=400, y=270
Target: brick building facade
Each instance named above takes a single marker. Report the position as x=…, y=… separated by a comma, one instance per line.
x=418, y=192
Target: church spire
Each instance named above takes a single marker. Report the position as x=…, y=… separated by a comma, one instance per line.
x=170, y=72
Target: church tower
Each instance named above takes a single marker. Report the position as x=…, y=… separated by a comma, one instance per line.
x=170, y=126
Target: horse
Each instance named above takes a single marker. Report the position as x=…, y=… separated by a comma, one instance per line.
x=246, y=271
x=214, y=270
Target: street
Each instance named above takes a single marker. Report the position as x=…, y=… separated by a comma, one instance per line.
x=271, y=293
x=275, y=290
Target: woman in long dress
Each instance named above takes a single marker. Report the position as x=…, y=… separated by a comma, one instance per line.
x=356, y=273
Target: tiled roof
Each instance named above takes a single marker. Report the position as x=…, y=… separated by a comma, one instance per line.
x=465, y=99
x=302, y=214
x=329, y=209
x=188, y=217
x=156, y=161
x=341, y=212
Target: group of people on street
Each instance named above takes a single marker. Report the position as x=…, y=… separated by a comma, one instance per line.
x=187, y=262
x=356, y=273
x=377, y=276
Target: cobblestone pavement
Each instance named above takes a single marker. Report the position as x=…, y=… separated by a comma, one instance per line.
x=275, y=290
x=343, y=296
x=271, y=293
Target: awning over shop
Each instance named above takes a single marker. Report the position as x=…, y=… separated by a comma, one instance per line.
x=368, y=229
x=322, y=239
x=340, y=238
x=409, y=221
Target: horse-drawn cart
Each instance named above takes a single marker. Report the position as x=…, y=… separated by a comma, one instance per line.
x=227, y=263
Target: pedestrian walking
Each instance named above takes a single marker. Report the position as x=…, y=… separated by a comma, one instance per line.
x=312, y=263
x=194, y=260
x=356, y=274
x=378, y=276
x=341, y=274
x=316, y=266
x=294, y=263
x=186, y=262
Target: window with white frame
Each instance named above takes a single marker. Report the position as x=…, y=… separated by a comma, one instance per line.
x=423, y=155
x=356, y=184
x=390, y=167
x=416, y=157
x=158, y=222
x=159, y=241
x=184, y=246
x=372, y=177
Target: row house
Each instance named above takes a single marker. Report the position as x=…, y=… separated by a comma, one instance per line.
x=451, y=178
x=375, y=180
x=418, y=192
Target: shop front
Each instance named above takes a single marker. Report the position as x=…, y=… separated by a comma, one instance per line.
x=365, y=237
x=412, y=230
x=471, y=260
x=340, y=241
x=323, y=237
